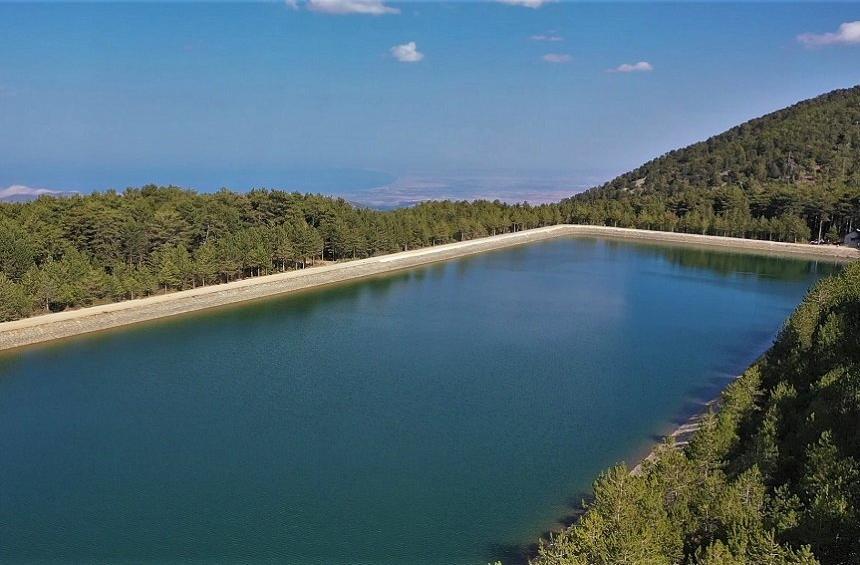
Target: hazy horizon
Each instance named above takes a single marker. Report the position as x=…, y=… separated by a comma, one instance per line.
x=386, y=103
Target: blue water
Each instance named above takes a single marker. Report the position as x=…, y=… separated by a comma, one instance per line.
x=448, y=414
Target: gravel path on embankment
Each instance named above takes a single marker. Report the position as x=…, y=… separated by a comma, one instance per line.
x=65, y=324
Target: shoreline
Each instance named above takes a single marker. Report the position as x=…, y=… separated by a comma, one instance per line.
x=49, y=327
x=723, y=243
x=682, y=433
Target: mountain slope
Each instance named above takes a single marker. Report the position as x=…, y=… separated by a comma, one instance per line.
x=790, y=176
x=815, y=141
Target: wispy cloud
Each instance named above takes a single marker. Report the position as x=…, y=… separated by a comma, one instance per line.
x=546, y=37
x=640, y=67
x=344, y=7
x=847, y=34
x=407, y=53
x=533, y=4
x=557, y=58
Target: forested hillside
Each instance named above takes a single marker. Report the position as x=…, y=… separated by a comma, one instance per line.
x=772, y=478
x=794, y=173
x=57, y=253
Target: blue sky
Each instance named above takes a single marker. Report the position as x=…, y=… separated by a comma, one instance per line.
x=313, y=95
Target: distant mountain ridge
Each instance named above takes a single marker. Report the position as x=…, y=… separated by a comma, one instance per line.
x=812, y=142
x=21, y=193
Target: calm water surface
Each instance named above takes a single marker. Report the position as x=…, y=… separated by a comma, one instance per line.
x=443, y=415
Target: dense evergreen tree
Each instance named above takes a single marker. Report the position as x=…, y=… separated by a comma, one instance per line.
x=15, y=302
x=16, y=250
x=58, y=253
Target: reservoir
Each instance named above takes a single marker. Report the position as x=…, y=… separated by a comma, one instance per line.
x=448, y=414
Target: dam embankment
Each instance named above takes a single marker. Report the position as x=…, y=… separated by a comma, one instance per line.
x=59, y=325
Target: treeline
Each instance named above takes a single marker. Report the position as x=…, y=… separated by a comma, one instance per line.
x=772, y=478
x=775, y=211
x=58, y=253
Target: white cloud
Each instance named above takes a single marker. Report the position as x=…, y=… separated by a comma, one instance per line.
x=407, y=53
x=22, y=192
x=640, y=67
x=533, y=4
x=340, y=7
x=546, y=37
x=556, y=58
x=847, y=34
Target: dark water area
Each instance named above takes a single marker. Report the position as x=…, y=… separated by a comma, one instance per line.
x=447, y=414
